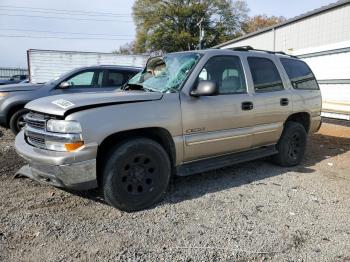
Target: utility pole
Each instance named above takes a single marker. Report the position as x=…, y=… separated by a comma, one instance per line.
x=201, y=34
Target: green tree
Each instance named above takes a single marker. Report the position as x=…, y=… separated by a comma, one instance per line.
x=260, y=22
x=171, y=25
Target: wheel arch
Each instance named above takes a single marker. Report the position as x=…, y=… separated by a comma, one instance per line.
x=158, y=134
x=302, y=118
x=13, y=109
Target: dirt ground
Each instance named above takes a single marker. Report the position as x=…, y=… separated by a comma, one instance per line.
x=249, y=212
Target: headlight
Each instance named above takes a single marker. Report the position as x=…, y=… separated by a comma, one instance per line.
x=3, y=94
x=70, y=128
x=63, y=126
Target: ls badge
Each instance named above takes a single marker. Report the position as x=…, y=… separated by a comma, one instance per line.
x=195, y=130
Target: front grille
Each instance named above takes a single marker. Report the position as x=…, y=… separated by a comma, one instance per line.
x=36, y=141
x=35, y=130
x=40, y=125
x=36, y=120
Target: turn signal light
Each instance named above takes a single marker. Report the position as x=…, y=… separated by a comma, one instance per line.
x=73, y=146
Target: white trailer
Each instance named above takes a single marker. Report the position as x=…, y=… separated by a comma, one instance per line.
x=44, y=65
x=331, y=66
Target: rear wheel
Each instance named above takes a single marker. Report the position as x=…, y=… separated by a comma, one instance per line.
x=291, y=146
x=17, y=120
x=136, y=174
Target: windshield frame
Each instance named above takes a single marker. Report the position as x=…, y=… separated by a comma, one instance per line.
x=177, y=90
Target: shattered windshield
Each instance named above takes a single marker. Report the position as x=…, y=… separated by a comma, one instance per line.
x=166, y=74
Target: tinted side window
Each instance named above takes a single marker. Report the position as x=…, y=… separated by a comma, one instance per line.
x=116, y=78
x=299, y=74
x=265, y=75
x=227, y=72
x=16, y=78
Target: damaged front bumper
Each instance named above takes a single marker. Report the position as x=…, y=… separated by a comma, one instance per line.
x=72, y=170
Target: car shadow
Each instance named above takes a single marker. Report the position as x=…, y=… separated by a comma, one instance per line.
x=92, y=194
x=319, y=148
x=1, y=133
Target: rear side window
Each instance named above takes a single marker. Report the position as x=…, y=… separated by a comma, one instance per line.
x=265, y=75
x=116, y=78
x=299, y=74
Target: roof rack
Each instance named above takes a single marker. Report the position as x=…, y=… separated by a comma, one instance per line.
x=241, y=48
x=249, y=48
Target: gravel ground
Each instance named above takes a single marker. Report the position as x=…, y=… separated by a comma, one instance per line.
x=250, y=212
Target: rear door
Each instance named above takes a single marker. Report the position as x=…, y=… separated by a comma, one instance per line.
x=272, y=100
x=307, y=94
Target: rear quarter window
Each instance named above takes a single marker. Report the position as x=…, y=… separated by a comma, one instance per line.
x=300, y=74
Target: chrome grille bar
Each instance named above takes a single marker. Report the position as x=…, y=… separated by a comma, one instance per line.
x=35, y=120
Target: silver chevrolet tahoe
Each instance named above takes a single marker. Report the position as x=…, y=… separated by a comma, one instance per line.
x=184, y=114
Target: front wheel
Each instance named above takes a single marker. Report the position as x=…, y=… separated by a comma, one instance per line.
x=136, y=174
x=17, y=121
x=291, y=146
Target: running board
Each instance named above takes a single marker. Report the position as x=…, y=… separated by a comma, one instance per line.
x=223, y=161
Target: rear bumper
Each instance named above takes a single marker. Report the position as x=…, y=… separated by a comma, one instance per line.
x=71, y=170
x=315, y=124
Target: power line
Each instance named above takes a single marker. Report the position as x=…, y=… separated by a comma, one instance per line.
x=57, y=37
x=62, y=10
x=69, y=18
x=58, y=32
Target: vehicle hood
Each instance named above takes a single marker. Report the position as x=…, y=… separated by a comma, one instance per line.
x=19, y=87
x=62, y=105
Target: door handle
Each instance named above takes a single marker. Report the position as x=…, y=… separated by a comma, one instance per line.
x=247, y=106
x=284, y=101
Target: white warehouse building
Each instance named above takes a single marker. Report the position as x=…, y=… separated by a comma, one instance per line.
x=322, y=39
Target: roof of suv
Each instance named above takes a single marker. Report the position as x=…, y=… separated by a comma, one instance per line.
x=240, y=49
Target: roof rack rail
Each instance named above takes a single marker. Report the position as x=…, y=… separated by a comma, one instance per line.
x=241, y=48
x=249, y=48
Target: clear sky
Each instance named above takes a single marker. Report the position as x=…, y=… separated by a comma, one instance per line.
x=109, y=20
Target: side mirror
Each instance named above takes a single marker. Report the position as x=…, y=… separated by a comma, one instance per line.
x=64, y=85
x=205, y=88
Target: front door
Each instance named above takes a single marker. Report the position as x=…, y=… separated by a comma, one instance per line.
x=84, y=81
x=221, y=124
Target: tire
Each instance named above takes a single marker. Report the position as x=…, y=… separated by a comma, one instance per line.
x=17, y=120
x=291, y=146
x=136, y=174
